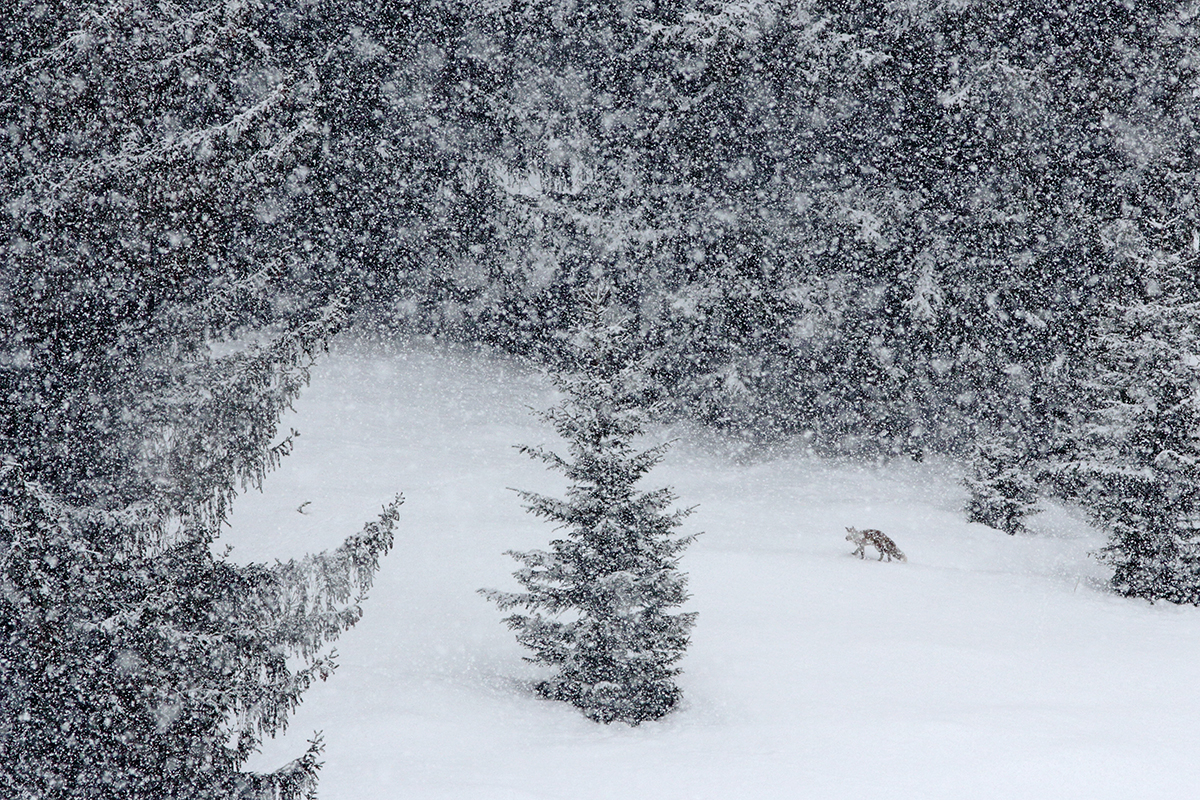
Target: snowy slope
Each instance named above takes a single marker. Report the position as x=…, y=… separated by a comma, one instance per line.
x=987, y=666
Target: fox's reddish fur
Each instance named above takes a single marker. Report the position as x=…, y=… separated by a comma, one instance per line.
x=877, y=539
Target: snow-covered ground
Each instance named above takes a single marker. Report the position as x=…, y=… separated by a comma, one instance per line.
x=987, y=666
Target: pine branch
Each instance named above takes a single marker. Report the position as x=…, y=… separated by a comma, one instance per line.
x=308, y=603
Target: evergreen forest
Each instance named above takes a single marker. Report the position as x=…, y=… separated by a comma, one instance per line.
x=963, y=228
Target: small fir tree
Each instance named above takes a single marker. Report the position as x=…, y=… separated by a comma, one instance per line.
x=597, y=601
x=1002, y=491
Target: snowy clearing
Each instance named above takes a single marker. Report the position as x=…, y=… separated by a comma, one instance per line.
x=986, y=666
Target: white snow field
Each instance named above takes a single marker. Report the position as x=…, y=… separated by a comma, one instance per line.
x=988, y=666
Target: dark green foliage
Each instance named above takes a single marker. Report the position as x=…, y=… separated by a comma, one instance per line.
x=1136, y=463
x=852, y=219
x=157, y=316
x=1002, y=490
x=598, y=599
x=134, y=663
x=132, y=671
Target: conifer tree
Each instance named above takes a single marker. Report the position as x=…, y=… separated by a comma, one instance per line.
x=597, y=601
x=1137, y=451
x=1134, y=457
x=155, y=158
x=135, y=662
x=1002, y=490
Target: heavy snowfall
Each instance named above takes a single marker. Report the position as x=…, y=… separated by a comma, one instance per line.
x=552, y=398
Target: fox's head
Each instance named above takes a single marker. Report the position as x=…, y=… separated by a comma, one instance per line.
x=851, y=533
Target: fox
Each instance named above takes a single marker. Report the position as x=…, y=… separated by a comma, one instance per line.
x=877, y=539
